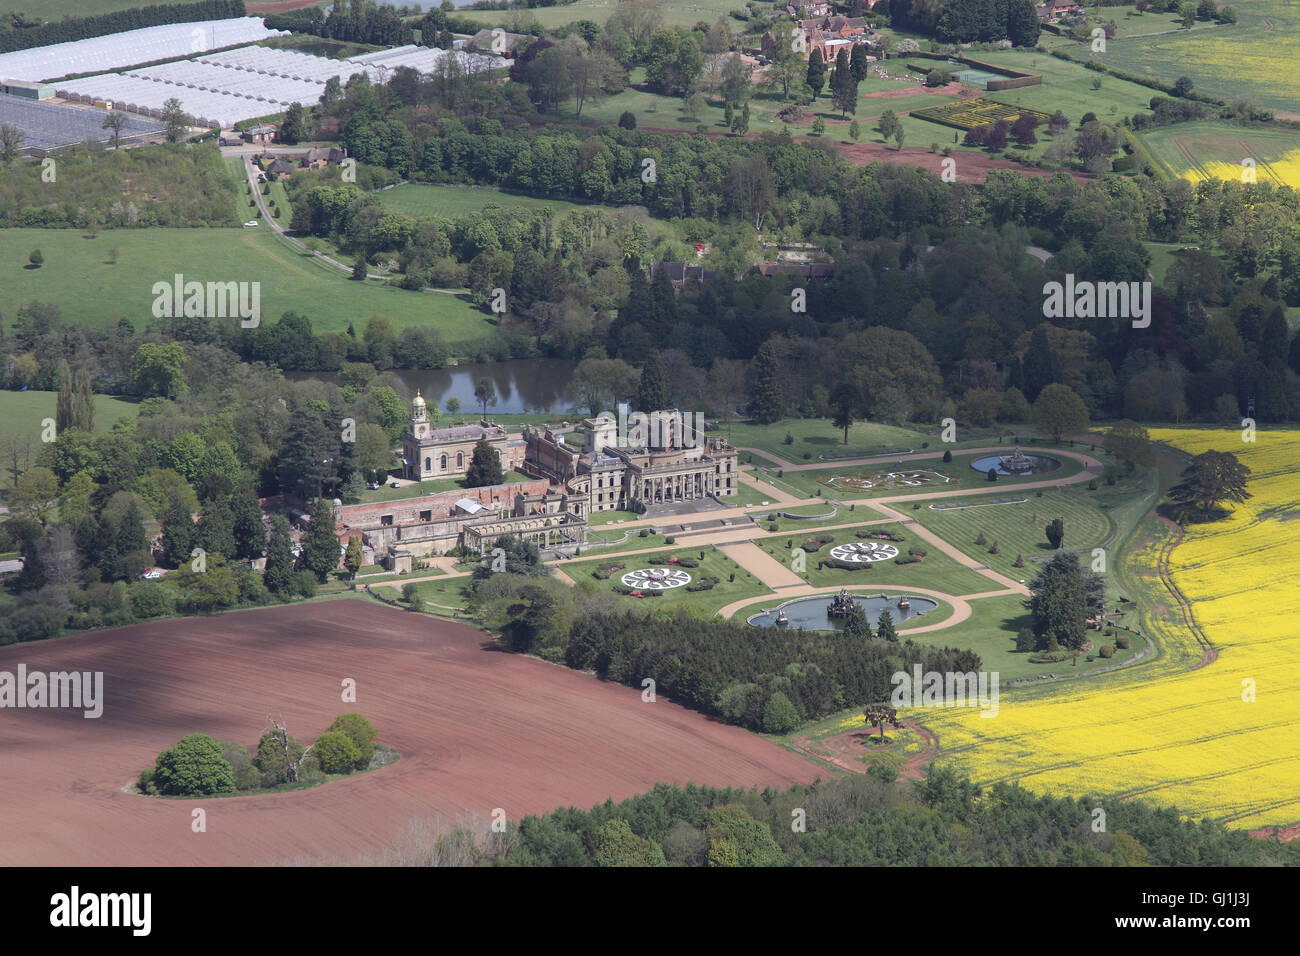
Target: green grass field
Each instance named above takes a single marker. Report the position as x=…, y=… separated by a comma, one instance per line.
x=991, y=631
x=1068, y=87
x=1253, y=59
x=683, y=13
x=78, y=278
x=809, y=483
x=1018, y=528
x=54, y=10
x=422, y=200
x=22, y=414
x=1216, y=149
x=817, y=436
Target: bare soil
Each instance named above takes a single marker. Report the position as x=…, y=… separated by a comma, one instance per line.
x=477, y=729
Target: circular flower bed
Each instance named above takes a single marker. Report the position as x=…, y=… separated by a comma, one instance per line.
x=656, y=579
x=862, y=552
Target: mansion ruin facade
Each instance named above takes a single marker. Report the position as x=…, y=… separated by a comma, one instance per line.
x=664, y=458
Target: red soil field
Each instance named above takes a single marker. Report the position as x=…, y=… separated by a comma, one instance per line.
x=477, y=729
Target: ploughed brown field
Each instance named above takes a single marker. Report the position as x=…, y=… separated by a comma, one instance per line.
x=477, y=729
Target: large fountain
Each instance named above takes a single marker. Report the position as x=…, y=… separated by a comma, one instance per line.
x=827, y=613
x=1016, y=465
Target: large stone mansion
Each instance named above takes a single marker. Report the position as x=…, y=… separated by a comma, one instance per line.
x=670, y=460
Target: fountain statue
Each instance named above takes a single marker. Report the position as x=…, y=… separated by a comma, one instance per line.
x=1016, y=463
x=842, y=605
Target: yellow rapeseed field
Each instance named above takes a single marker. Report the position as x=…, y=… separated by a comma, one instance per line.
x=1169, y=731
x=1284, y=171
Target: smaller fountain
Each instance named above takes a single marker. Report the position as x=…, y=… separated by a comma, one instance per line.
x=1016, y=463
x=781, y=619
x=842, y=606
x=904, y=604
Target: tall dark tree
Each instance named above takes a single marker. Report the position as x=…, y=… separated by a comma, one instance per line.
x=652, y=392
x=858, y=65
x=83, y=402
x=816, y=72
x=663, y=301
x=484, y=466
x=309, y=454
x=63, y=404
x=278, y=576
x=1055, y=532
x=885, y=628
x=846, y=402
x=320, y=546
x=294, y=127
x=766, y=391
x=216, y=528
x=178, y=531
x=246, y=522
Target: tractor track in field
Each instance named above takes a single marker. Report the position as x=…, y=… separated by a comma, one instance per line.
x=1209, y=653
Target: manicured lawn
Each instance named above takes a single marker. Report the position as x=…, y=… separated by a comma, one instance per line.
x=714, y=564
x=1018, y=528
x=936, y=570
x=809, y=483
x=78, y=278
x=847, y=514
x=452, y=592
x=1067, y=87
x=817, y=436
x=634, y=542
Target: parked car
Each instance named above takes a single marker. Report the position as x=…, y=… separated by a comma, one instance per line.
x=394, y=484
x=251, y=222
x=151, y=574
x=373, y=485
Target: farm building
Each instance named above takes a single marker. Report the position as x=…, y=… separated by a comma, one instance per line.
x=29, y=90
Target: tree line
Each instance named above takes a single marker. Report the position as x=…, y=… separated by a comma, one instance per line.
x=713, y=666
x=873, y=819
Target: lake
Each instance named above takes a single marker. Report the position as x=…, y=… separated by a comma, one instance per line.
x=523, y=385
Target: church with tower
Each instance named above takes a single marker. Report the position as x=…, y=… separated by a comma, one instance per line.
x=429, y=452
